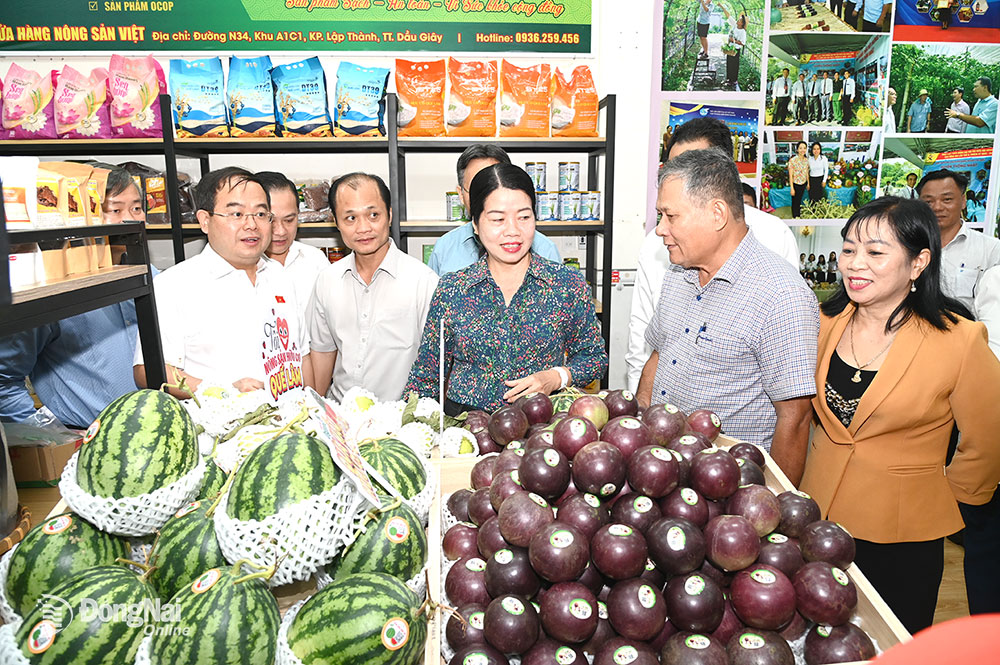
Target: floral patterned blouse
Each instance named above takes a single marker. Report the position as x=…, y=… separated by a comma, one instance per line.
x=550, y=322
x=799, y=169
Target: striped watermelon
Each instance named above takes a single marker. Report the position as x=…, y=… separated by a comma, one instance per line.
x=142, y=441
x=54, y=551
x=85, y=637
x=214, y=479
x=281, y=472
x=185, y=548
x=397, y=463
x=369, y=618
x=393, y=542
x=226, y=617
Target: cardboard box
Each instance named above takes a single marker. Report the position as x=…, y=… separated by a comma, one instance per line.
x=40, y=466
x=54, y=264
x=100, y=252
x=78, y=257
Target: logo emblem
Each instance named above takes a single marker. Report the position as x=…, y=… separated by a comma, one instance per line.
x=188, y=509
x=207, y=580
x=55, y=611
x=92, y=431
x=397, y=530
x=395, y=634
x=42, y=636
x=57, y=525
x=283, y=331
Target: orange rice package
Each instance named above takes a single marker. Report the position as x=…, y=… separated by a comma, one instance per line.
x=420, y=91
x=574, y=104
x=472, y=101
x=524, y=100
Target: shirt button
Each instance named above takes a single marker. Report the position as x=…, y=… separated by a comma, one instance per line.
x=365, y=315
x=687, y=330
x=673, y=362
x=366, y=290
x=697, y=297
x=663, y=392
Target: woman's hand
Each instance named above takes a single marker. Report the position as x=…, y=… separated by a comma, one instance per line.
x=547, y=381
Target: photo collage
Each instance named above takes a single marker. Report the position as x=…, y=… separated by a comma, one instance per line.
x=831, y=104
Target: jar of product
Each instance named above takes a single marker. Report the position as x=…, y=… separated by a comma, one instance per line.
x=454, y=210
x=547, y=207
x=569, y=206
x=569, y=176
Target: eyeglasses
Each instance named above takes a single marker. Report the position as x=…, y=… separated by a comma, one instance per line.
x=238, y=216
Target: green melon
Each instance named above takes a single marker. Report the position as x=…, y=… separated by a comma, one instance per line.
x=213, y=481
x=393, y=542
x=185, y=548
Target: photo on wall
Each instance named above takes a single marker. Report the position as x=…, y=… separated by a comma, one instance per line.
x=832, y=80
x=741, y=120
x=908, y=159
x=818, y=174
x=955, y=21
x=934, y=85
x=832, y=16
x=819, y=249
x=712, y=45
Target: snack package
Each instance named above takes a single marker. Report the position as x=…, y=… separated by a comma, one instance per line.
x=53, y=207
x=360, y=100
x=20, y=198
x=524, y=100
x=27, y=104
x=472, y=101
x=420, y=90
x=314, y=194
x=97, y=187
x=135, y=85
x=574, y=104
x=152, y=187
x=75, y=178
x=250, y=97
x=197, y=93
x=300, y=99
x=82, y=106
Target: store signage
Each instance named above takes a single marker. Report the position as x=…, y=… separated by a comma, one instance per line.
x=269, y=26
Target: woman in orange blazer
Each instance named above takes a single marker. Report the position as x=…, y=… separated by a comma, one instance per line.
x=899, y=365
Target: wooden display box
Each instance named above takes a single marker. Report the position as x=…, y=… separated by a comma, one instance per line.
x=876, y=617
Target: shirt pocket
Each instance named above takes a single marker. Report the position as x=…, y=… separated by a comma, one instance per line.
x=722, y=355
x=965, y=282
x=397, y=330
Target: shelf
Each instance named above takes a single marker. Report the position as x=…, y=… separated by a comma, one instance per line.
x=87, y=147
x=77, y=282
x=273, y=144
x=513, y=144
x=440, y=226
x=63, y=232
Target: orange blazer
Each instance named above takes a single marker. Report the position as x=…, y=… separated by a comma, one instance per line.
x=883, y=477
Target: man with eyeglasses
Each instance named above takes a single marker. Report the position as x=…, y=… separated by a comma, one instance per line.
x=228, y=316
x=458, y=248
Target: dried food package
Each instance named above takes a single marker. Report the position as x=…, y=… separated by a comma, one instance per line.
x=300, y=99
x=197, y=96
x=136, y=84
x=360, y=100
x=82, y=104
x=250, y=97
x=471, y=109
x=314, y=194
x=18, y=175
x=420, y=92
x=53, y=207
x=27, y=104
x=574, y=103
x=97, y=187
x=524, y=100
x=75, y=179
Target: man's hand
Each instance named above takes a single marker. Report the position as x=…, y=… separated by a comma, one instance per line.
x=246, y=385
x=547, y=381
x=644, y=393
x=791, y=436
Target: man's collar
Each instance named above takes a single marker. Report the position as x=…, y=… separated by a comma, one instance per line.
x=219, y=267
x=390, y=263
x=963, y=232
x=734, y=265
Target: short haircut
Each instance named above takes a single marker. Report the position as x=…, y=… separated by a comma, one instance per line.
x=213, y=182
x=707, y=174
x=353, y=180
x=713, y=130
x=272, y=181
x=911, y=175
x=959, y=89
x=986, y=82
x=492, y=178
x=960, y=179
x=784, y=69
x=479, y=151
x=118, y=181
x=748, y=190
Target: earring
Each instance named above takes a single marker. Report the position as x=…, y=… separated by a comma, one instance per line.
x=913, y=287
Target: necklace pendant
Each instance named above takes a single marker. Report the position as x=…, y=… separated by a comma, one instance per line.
x=857, y=377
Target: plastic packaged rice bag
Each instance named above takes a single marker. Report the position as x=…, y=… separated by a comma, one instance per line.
x=250, y=97
x=472, y=101
x=135, y=85
x=197, y=96
x=82, y=104
x=574, y=104
x=27, y=104
x=524, y=100
x=300, y=99
x=420, y=89
x=360, y=100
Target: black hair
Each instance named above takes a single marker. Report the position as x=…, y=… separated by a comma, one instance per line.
x=712, y=130
x=272, y=181
x=960, y=179
x=916, y=228
x=815, y=144
x=492, y=178
x=479, y=151
x=213, y=182
x=798, y=143
x=960, y=90
x=707, y=174
x=118, y=181
x=748, y=190
x=352, y=180
x=912, y=173
x=986, y=82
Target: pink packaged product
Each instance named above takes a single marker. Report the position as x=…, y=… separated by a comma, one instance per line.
x=82, y=105
x=135, y=85
x=27, y=104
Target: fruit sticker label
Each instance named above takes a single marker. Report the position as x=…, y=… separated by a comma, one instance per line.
x=516, y=477
x=477, y=658
x=689, y=496
x=503, y=557
x=581, y=609
x=715, y=420
x=642, y=504
x=207, y=580
x=763, y=576
x=539, y=500
x=561, y=539
x=697, y=642
x=592, y=500
x=619, y=530
x=824, y=631
x=628, y=396
x=802, y=494
x=42, y=636
x=670, y=408
x=565, y=656
x=551, y=457
x=577, y=427
x=840, y=576
x=397, y=530
x=476, y=620
x=677, y=455
x=650, y=566
x=515, y=445
x=57, y=525
x=395, y=634
x=687, y=440
x=609, y=489
x=777, y=538
x=92, y=431
x=647, y=597
x=476, y=565
x=676, y=538
x=519, y=452
x=751, y=641
x=512, y=605
x=694, y=585
x=629, y=423
x=661, y=454
x=547, y=437
x=602, y=610
x=625, y=655
x=188, y=509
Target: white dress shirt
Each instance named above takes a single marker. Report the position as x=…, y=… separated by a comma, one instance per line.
x=303, y=265
x=889, y=121
x=988, y=306
x=799, y=88
x=818, y=166
x=374, y=328
x=849, y=88
x=780, y=87
x=963, y=262
x=219, y=327
x=827, y=87
x=654, y=260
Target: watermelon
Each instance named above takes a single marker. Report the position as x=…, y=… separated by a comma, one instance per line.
x=93, y=631
x=283, y=471
x=141, y=442
x=225, y=617
x=185, y=548
x=393, y=542
x=214, y=479
x=397, y=463
x=369, y=618
x=53, y=552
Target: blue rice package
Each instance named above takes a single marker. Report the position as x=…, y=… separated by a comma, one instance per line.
x=300, y=99
x=198, y=98
x=360, y=100
x=250, y=97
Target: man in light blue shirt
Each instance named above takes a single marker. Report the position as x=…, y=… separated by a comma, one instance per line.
x=874, y=14
x=920, y=109
x=983, y=119
x=458, y=248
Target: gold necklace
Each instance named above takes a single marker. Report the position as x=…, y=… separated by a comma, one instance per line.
x=857, y=375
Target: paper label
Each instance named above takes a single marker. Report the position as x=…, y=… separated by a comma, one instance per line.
x=580, y=609
x=751, y=641
x=561, y=539
x=763, y=576
x=551, y=457
x=206, y=581
x=57, y=525
x=647, y=597
x=395, y=634
x=642, y=504
x=512, y=605
x=503, y=557
x=619, y=530
x=476, y=565
x=697, y=642
x=661, y=454
x=676, y=538
x=694, y=585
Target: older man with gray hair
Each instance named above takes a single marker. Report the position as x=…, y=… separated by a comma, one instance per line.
x=735, y=327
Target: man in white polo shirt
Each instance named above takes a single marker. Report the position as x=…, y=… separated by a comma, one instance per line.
x=367, y=311
x=228, y=316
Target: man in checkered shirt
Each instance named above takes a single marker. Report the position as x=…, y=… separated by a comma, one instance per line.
x=736, y=326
